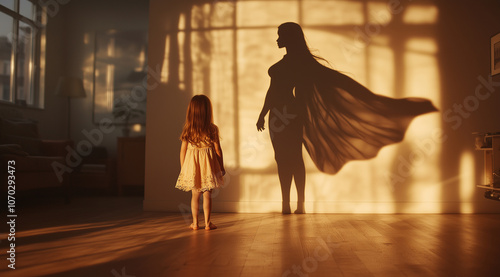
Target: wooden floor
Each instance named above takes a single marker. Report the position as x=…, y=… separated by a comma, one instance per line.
x=114, y=237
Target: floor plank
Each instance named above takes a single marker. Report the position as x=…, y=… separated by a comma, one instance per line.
x=114, y=237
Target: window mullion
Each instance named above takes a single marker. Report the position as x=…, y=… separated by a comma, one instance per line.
x=17, y=16
x=14, y=54
x=36, y=59
x=9, y=12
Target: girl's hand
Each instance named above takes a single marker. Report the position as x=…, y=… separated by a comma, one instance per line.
x=260, y=124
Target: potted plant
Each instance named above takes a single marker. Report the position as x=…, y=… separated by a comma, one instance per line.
x=123, y=110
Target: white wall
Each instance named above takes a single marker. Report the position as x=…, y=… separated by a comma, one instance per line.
x=166, y=108
x=426, y=49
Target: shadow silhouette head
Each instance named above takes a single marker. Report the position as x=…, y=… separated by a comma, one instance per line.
x=291, y=36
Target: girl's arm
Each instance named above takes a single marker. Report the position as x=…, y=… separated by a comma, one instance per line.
x=218, y=151
x=183, y=151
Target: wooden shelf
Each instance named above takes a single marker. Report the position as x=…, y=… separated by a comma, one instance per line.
x=488, y=187
x=491, y=153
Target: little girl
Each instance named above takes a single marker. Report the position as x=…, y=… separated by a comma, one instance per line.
x=202, y=168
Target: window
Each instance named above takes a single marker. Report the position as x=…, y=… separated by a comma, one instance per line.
x=21, y=31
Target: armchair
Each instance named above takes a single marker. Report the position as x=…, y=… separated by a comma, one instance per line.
x=33, y=157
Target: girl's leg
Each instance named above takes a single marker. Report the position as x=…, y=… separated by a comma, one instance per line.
x=207, y=209
x=195, y=205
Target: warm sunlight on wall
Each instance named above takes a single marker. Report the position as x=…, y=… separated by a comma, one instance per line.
x=467, y=185
x=231, y=47
x=165, y=63
x=421, y=14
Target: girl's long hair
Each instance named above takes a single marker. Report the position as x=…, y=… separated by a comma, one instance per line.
x=199, y=127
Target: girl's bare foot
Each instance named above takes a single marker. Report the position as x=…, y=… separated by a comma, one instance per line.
x=210, y=226
x=194, y=226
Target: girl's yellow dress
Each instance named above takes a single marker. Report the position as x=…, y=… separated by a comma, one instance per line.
x=201, y=169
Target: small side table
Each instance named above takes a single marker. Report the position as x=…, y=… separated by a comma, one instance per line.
x=96, y=173
x=130, y=162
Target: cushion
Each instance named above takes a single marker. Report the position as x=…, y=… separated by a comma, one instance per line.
x=30, y=145
x=22, y=128
x=36, y=163
x=11, y=113
x=14, y=149
x=23, y=132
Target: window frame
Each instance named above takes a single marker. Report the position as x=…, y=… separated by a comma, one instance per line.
x=35, y=92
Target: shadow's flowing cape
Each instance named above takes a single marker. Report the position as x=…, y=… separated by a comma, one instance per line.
x=343, y=120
